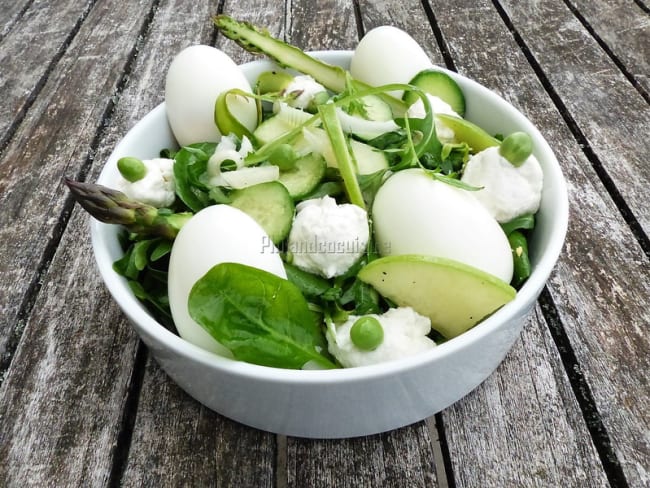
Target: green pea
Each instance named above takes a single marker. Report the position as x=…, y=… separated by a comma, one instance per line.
x=284, y=157
x=367, y=333
x=132, y=169
x=516, y=148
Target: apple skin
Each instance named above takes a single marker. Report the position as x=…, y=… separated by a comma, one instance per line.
x=453, y=295
x=415, y=214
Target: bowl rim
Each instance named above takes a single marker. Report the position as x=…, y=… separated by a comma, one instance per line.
x=144, y=322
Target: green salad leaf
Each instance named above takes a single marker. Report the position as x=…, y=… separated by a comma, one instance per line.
x=144, y=265
x=262, y=318
x=190, y=166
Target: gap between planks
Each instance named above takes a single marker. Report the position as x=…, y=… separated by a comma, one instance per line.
x=577, y=381
x=20, y=116
x=35, y=286
x=605, y=178
x=582, y=392
x=579, y=385
x=603, y=45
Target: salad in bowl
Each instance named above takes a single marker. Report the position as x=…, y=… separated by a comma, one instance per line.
x=296, y=238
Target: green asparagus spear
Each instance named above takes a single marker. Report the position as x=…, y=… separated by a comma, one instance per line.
x=114, y=207
x=256, y=40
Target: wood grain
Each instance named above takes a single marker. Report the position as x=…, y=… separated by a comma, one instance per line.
x=523, y=426
x=178, y=442
x=601, y=283
x=385, y=460
x=62, y=400
x=625, y=29
x=52, y=142
x=593, y=89
x=43, y=31
x=76, y=410
x=10, y=13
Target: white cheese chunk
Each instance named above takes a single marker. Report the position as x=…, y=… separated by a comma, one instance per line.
x=405, y=334
x=156, y=188
x=507, y=191
x=327, y=238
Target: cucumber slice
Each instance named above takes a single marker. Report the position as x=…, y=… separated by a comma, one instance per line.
x=271, y=129
x=304, y=176
x=440, y=85
x=369, y=159
x=374, y=108
x=465, y=131
x=270, y=205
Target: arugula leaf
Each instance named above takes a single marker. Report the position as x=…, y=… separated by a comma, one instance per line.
x=262, y=318
x=370, y=184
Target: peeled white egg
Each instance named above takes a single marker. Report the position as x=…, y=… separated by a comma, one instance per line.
x=216, y=234
x=195, y=79
x=415, y=214
x=386, y=55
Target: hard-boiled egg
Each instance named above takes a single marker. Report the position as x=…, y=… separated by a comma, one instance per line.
x=195, y=79
x=415, y=214
x=386, y=55
x=216, y=234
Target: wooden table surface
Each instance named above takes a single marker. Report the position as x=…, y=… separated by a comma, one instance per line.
x=83, y=404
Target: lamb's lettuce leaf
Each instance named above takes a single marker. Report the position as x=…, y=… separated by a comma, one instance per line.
x=190, y=166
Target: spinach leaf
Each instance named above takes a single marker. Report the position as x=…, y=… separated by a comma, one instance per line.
x=262, y=318
x=310, y=285
x=190, y=166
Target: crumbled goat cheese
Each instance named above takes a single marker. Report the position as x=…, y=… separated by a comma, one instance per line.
x=507, y=191
x=405, y=334
x=439, y=106
x=157, y=188
x=327, y=238
x=227, y=150
x=302, y=90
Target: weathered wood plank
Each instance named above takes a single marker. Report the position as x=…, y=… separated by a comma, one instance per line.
x=593, y=89
x=601, y=283
x=52, y=141
x=10, y=13
x=523, y=426
x=385, y=460
x=21, y=75
x=175, y=440
x=178, y=442
x=62, y=400
x=625, y=29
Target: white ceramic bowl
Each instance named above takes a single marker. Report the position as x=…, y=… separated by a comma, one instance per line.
x=344, y=402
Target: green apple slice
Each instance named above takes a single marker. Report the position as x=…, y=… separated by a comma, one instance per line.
x=465, y=131
x=453, y=295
